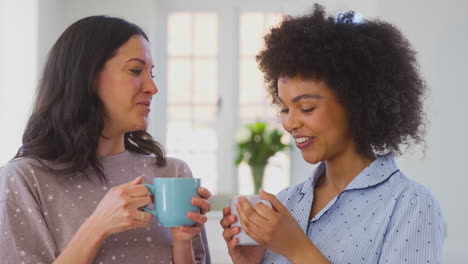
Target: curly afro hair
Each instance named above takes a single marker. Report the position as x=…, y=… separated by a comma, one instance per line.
x=370, y=66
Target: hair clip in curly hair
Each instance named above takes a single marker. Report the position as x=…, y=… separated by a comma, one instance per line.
x=349, y=17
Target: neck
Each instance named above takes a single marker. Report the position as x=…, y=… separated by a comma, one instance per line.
x=110, y=144
x=343, y=168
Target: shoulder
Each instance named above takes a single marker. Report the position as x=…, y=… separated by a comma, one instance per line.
x=415, y=199
x=19, y=167
x=20, y=163
x=179, y=167
x=410, y=190
x=176, y=162
x=18, y=177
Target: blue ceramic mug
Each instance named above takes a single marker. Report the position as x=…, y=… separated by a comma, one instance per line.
x=173, y=200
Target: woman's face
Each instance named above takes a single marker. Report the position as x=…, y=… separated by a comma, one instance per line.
x=311, y=113
x=126, y=87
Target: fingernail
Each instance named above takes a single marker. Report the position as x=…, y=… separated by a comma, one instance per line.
x=232, y=218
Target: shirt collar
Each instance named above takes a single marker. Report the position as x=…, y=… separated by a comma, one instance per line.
x=377, y=172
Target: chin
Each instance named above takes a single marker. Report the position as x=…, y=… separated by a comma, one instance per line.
x=311, y=158
x=140, y=126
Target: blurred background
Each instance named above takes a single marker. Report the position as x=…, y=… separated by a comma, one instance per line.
x=209, y=86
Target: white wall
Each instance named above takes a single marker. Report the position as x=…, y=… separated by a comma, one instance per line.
x=438, y=31
x=18, y=60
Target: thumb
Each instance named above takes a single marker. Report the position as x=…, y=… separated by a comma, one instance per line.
x=136, y=181
x=275, y=203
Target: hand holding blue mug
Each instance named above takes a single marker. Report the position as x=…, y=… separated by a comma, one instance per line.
x=180, y=203
x=172, y=197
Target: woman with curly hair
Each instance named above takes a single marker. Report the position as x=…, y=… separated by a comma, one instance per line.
x=350, y=93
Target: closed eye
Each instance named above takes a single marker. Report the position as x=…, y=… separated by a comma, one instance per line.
x=308, y=110
x=136, y=71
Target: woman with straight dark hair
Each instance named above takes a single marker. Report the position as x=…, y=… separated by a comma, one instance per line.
x=73, y=192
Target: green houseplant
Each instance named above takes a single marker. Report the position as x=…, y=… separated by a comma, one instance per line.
x=256, y=143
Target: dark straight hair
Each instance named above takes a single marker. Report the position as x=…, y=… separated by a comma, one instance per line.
x=68, y=117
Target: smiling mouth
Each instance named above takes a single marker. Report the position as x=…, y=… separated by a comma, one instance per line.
x=145, y=104
x=302, y=140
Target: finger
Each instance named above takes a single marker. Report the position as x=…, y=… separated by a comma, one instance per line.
x=138, y=190
x=204, y=192
x=142, y=216
x=227, y=221
x=249, y=227
x=193, y=230
x=265, y=211
x=205, y=205
x=230, y=232
x=136, y=181
x=138, y=202
x=139, y=224
x=248, y=214
x=226, y=211
x=233, y=243
x=275, y=203
x=199, y=218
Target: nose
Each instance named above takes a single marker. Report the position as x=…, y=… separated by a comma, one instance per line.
x=149, y=87
x=290, y=121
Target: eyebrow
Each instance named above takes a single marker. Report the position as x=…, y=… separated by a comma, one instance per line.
x=137, y=59
x=303, y=97
x=140, y=60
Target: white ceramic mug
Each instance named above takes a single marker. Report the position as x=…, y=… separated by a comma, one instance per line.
x=245, y=239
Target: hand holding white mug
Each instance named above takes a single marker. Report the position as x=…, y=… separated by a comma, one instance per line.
x=276, y=229
x=244, y=239
x=239, y=254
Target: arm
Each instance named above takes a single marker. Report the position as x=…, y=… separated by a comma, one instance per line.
x=183, y=252
x=83, y=247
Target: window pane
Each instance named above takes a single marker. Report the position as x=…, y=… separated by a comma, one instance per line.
x=251, y=33
x=179, y=34
x=205, y=114
x=180, y=112
x=175, y=134
x=205, y=81
x=252, y=88
x=206, y=37
x=273, y=19
x=179, y=80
